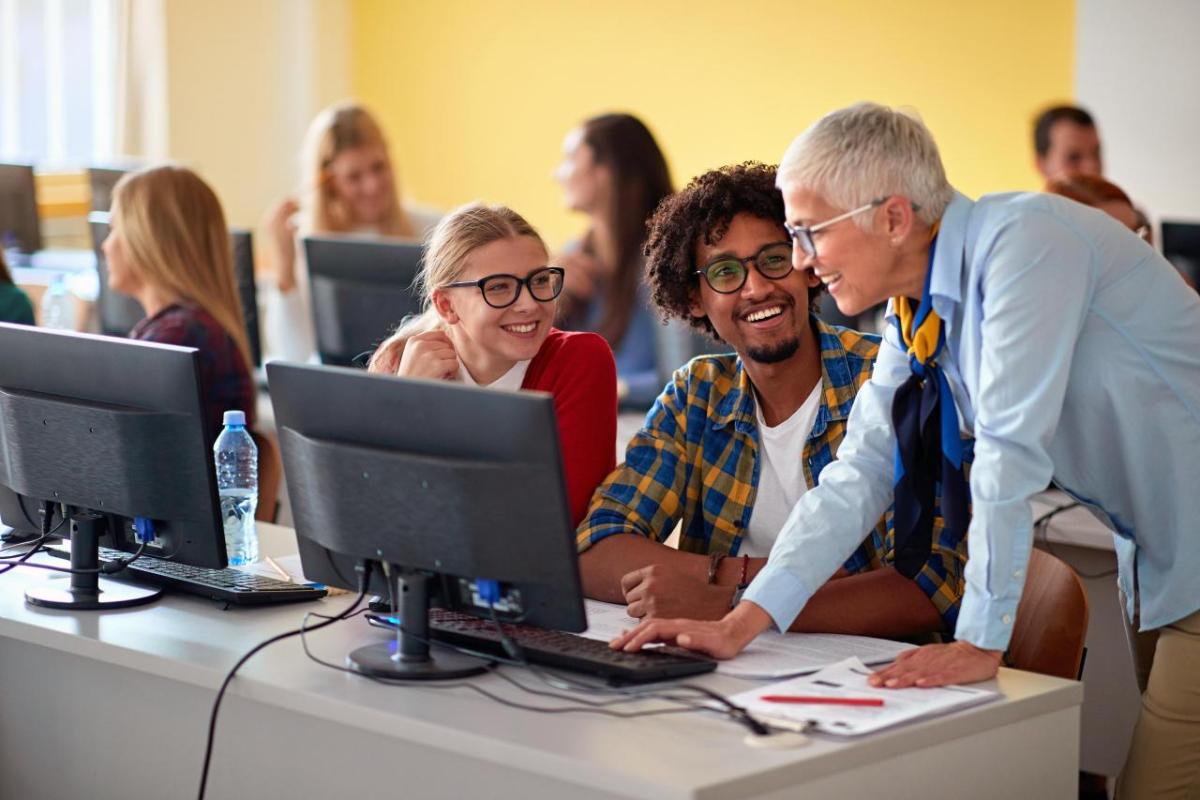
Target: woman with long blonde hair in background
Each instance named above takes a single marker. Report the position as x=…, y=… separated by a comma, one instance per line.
x=489, y=303
x=168, y=247
x=349, y=187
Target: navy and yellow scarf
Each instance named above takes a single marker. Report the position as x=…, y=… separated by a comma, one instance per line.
x=929, y=450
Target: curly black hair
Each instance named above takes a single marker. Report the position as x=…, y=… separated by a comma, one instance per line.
x=703, y=210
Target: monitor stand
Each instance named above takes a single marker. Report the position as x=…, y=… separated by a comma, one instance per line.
x=89, y=591
x=408, y=656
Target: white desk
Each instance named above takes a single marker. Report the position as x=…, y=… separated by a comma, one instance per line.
x=116, y=705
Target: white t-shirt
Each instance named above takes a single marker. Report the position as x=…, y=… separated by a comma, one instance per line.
x=510, y=380
x=781, y=481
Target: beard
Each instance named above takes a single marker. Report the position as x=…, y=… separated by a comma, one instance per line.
x=774, y=353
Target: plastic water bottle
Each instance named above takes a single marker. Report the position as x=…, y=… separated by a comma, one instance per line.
x=58, y=310
x=237, y=484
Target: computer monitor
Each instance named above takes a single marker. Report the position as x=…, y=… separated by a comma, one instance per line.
x=20, y=226
x=361, y=289
x=446, y=484
x=119, y=312
x=243, y=273
x=109, y=430
x=1181, y=246
x=101, y=181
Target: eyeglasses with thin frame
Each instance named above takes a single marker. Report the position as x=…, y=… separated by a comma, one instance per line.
x=727, y=274
x=803, y=234
x=501, y=291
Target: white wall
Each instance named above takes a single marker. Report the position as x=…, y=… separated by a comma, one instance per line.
x=244, y=80
x=1138, y=72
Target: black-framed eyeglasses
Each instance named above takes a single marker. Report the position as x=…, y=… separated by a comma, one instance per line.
x=803, y=234
x=501, y=291
x=727, y=274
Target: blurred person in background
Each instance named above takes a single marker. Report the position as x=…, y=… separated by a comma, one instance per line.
x=614, y=172
x=350, y=187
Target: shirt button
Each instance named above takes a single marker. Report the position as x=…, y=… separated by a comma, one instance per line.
x=1006, y=619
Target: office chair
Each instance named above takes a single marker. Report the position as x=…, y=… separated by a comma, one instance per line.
x=1052, y=620
x=270, y=474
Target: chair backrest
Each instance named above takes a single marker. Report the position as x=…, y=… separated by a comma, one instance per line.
x=270, y=475
x=1052, y=619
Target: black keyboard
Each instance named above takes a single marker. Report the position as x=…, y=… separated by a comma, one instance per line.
x=562, y=650
x=229, y=585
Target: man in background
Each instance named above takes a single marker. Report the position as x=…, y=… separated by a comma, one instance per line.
x=1066, y=143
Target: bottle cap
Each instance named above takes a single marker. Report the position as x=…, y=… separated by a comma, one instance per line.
x=235, y=418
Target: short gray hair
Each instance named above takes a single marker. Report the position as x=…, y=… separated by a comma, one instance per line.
x=856, y=154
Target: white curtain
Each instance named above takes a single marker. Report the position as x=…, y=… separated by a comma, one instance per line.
x=140, y=101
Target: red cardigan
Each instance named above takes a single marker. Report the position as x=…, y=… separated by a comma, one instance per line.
x=578, y=370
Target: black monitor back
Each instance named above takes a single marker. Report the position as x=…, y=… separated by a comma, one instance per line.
x=361, y=289
x=20, y=225
x=1181, y=246
x=243, y=273
x=113, y=426
x=459, y=481
x=101, y=181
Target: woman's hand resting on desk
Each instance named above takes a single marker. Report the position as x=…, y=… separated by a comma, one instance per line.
x=424, y=355
x=724, y=638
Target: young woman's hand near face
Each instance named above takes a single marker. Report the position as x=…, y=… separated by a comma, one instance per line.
x=429, y=355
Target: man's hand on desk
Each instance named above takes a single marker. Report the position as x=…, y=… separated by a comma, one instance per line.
x=662, y=591
x=724, y=638
x=938, y=665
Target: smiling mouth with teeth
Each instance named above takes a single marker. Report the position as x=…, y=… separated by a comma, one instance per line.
x=763, y=313
x=521, y=327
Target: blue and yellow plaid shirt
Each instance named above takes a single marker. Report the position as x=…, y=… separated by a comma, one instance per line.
x=696, y=460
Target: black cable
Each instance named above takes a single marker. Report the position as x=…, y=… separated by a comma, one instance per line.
x=735, y=712
x=364, y=580
x=47, y=532
x=398, y=681
x=107, y=568
x=625, y=694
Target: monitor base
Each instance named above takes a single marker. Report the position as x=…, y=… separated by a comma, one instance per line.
x=383, y=660
x=85, y=589
x=108, y=594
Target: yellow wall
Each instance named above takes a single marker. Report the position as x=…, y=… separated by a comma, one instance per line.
x=476, y=95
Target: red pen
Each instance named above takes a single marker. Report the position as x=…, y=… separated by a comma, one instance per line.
x=818, y=700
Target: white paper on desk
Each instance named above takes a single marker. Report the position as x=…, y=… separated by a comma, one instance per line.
x=771, y=655
x=849, y=679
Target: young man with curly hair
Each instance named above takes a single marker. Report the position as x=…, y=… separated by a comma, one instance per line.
x=735, y=440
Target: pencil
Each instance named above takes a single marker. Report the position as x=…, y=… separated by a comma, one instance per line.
x=278, y=569
x=823, y=700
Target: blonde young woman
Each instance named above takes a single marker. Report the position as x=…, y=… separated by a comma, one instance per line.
x=490, y=299
x=168, y=247
x=349, y=188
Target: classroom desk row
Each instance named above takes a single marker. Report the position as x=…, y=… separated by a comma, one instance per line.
x=116, y=705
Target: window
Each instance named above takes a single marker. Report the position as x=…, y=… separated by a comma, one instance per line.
x=57, y=81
